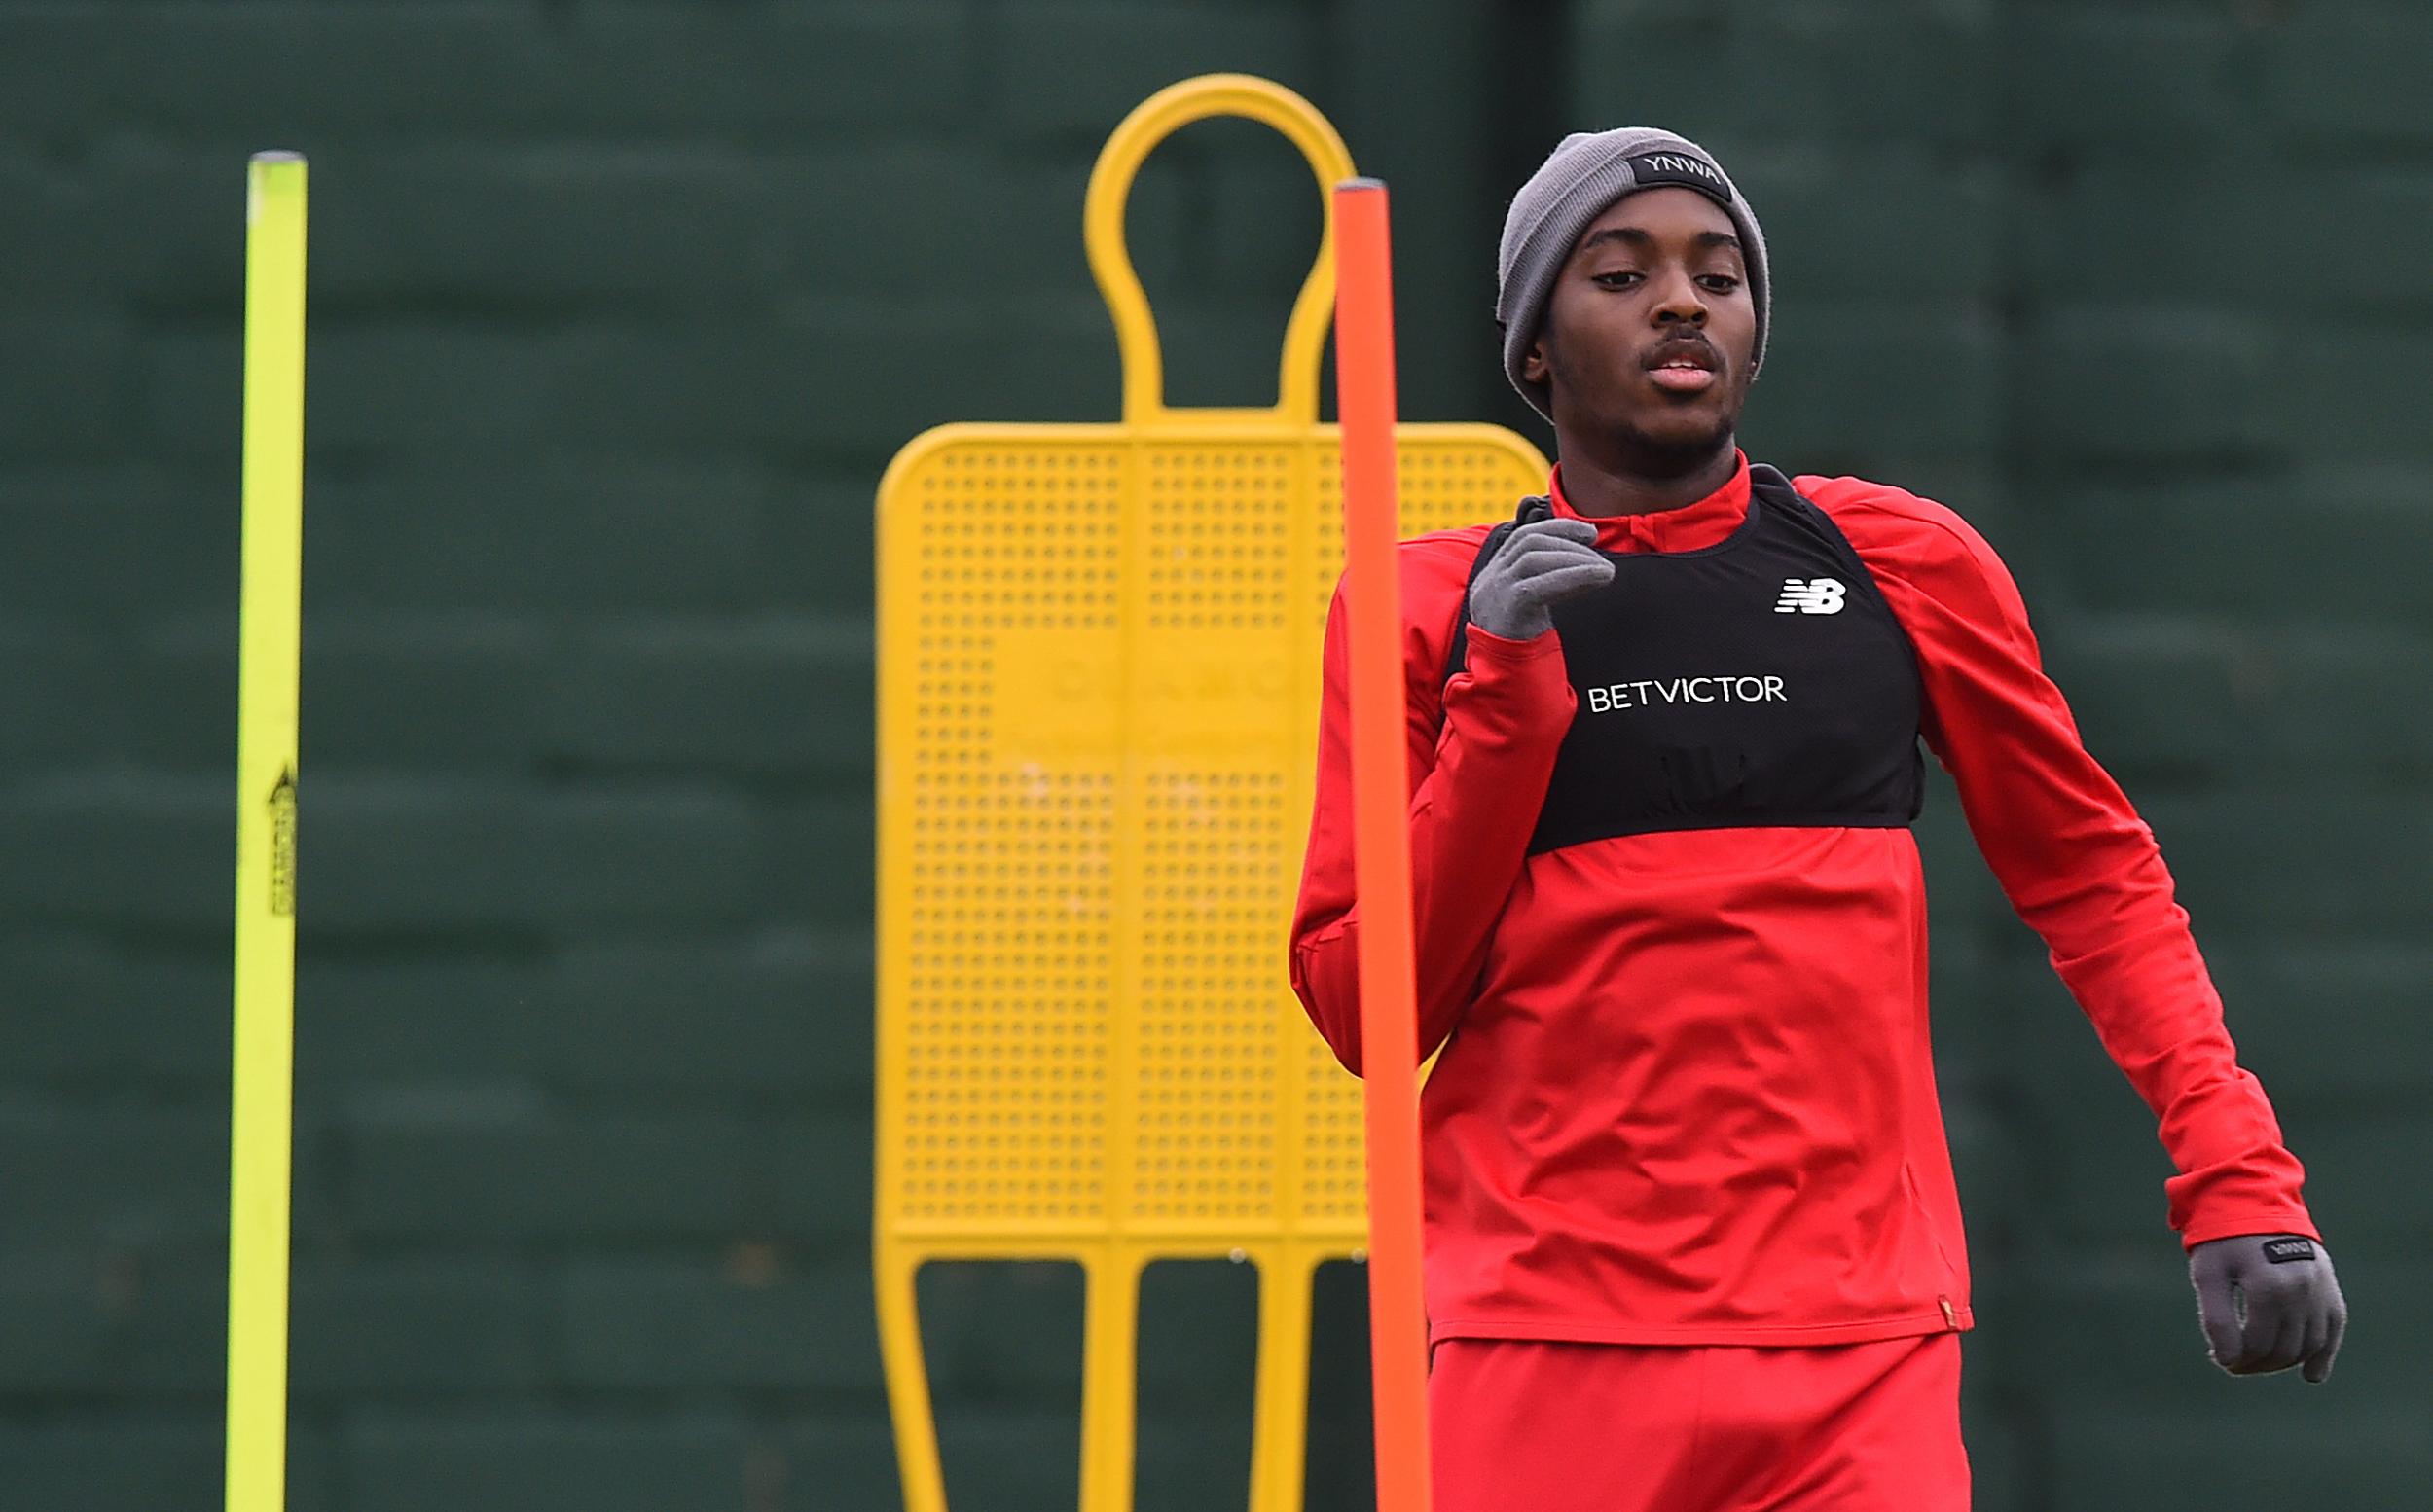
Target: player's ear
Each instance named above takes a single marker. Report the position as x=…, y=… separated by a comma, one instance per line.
x=1534, y=365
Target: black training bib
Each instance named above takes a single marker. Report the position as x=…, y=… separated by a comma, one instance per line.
x=1758, y=681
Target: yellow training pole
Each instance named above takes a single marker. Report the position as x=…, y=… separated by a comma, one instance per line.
x=261, y=1106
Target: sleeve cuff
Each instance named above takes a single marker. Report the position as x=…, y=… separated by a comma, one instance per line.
x=1539, y=644
x=2235, y=1227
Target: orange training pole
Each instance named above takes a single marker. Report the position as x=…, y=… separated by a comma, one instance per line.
x=1382, y=841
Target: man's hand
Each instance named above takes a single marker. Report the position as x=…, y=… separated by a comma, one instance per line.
x=1537, y=563
x=2266, y=1302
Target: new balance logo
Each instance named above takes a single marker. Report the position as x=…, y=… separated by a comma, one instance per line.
x=1811, y=595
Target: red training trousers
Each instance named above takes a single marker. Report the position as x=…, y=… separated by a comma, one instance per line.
x=1535, y=1425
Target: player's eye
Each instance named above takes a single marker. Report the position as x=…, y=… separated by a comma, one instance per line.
x=1615, y=280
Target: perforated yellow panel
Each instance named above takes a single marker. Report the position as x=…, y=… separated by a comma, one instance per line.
x=1098, y=686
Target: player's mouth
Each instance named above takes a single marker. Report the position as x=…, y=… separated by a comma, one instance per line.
x=1685, y=366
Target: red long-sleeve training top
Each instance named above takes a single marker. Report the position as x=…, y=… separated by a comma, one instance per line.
x=1688, y=1096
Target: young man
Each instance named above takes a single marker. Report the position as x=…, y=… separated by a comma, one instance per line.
x=1693, y=1242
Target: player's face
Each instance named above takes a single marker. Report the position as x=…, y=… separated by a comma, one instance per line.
x=1650, y=330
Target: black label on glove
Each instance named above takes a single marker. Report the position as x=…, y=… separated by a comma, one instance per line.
x=2281, y=1251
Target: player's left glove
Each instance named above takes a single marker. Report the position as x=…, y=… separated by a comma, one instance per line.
x=2266, y=1302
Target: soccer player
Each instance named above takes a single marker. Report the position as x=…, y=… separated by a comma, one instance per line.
x=1692, y=1239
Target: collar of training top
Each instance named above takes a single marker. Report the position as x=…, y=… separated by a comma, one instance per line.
x=1681, y=528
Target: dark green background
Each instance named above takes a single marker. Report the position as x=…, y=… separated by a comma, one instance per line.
x=618, y=312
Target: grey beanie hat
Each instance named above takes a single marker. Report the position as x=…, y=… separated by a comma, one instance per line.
x=1580, y=180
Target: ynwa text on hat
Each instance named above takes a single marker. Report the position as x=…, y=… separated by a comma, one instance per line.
x=1650, y=168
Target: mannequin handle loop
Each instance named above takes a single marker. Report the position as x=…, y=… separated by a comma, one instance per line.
x=1150, y=123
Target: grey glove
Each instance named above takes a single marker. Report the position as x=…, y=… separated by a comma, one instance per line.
x=2266, y=1302
x=1537, y=563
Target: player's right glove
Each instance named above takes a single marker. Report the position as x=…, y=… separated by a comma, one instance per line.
x=2267, y=1301
x=1537, y=564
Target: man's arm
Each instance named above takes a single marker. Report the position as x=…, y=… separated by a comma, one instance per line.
x=2075, y=860
x=1481, y=756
